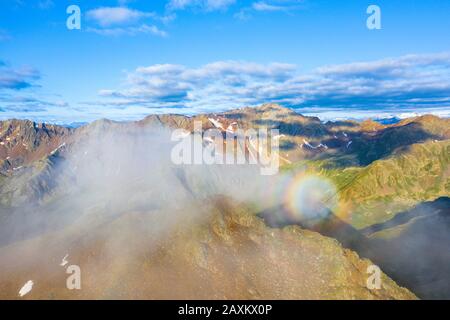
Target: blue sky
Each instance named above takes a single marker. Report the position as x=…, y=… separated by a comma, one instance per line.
x=137, y=57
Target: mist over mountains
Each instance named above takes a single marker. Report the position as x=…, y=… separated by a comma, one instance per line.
x=107, y=194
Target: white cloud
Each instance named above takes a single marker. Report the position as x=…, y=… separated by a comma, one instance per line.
x=263, y=6
x=286, y=6
x=108, y=16
x=17, y=79
x=208, y=5
x=170, y=85
x=413, y=80
x=385, y=67
x=20, y=94
x=123, y=21
x=129, y=31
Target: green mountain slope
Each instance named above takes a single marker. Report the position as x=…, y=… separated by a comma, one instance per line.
x=377, y=192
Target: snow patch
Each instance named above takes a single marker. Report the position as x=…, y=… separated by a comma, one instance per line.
x=320, y=145
x=216, y=123
x=64, y=260
x=26, y=288
x=54, y=151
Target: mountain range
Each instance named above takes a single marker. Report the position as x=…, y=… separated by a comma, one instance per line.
x=106, y=195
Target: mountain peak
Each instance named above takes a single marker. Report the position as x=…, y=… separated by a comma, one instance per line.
x=370, y=125
x=25, y=141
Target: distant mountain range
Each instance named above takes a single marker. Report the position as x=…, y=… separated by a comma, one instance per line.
x=77, y=187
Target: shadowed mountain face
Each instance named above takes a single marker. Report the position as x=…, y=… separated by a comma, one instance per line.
x=412, y=248
x=139, y=226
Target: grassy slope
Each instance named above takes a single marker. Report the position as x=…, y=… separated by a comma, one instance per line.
x=377, y=192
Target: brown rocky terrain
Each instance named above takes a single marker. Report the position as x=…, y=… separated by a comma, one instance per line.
x=23, y=142
x=230, y=255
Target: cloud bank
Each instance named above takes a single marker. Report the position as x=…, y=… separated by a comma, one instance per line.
x=277, y=5
x=107, y=16
x=18, y=88
x=268, y=6
x=207, y=5
x=411, y=81
x=123, y=21
x=214, y=5
x=17, y=79
x=394, y=87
